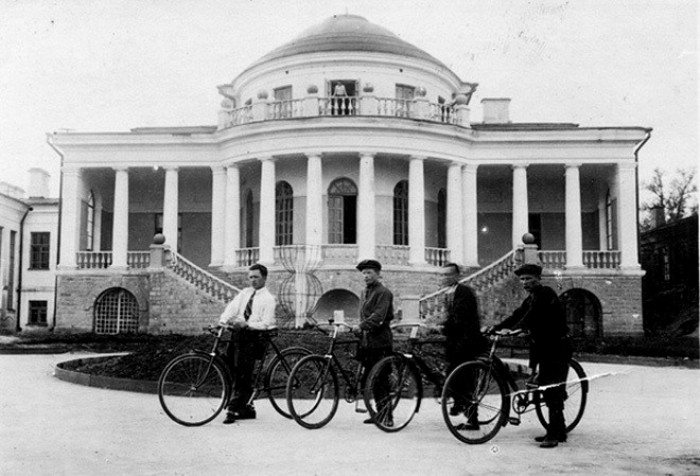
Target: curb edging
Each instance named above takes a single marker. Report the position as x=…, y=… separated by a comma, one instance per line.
x=100, y=381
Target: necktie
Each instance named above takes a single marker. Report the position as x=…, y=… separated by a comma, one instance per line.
x=249, y=307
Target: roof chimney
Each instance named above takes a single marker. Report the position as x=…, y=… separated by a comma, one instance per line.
x=496, y=110
x=658, y=216
x=38, y=183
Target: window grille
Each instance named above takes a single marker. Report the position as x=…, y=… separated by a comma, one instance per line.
x=37, y=312
x=401, y=213
x=39, y=250
x=116, y=312
x=284, y=214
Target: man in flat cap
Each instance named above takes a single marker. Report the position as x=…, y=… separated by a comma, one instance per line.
x=542, y=315
x=376, y=313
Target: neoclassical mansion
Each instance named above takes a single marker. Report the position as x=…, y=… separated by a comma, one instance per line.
x=343, y=144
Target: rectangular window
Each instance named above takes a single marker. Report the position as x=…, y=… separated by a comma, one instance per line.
x=404, y=99
x=283, y=102
x=39, y=250
x=37, y=313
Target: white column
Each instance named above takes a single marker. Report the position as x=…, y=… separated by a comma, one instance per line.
x=520, y=209
x=218, y=215
x=97, y=223
x=170, y=207
x=469, y=215
x=416, y=211
x=454, y=212
x=366, y=209
x=232, y=215
x=120, y=225
x=70, y=217
x=574, y=240
x=602, y=222
x=267, y=211
x=627, y=214
x=314, y=202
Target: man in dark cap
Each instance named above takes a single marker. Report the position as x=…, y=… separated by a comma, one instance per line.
x=376, y=313
x=542, y=315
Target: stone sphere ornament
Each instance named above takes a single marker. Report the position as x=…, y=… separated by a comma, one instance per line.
x=158, y=239
x=262, y=94
x=368, y=88
x=528, y=239
x=312, y=89
x=461, y=100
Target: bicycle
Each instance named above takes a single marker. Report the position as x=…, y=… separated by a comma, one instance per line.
x=494, y=392
x=399, y=378
x=313, y=390
x=194, y=387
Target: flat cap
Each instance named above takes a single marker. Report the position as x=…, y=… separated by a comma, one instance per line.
x=369, y=263
x=530, y=269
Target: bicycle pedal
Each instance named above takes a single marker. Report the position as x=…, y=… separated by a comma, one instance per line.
x=514, y=421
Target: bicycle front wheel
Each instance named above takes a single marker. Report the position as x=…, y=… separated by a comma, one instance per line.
x=575, y=402
x=474, y=402
x=192, y=389
x=278, y=374
x=312, y=392
x=393, y=393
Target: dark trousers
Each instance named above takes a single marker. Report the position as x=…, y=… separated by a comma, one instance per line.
x=368, y=358
x=462, y=390
x=554, y=369
x=246, y=346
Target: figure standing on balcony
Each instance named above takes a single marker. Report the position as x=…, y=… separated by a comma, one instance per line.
x=461, y=326
x=376, y=313
x=250, y=312
x=543, y=316
x=339, y=100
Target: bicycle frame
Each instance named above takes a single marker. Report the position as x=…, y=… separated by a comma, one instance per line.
x=352, y=384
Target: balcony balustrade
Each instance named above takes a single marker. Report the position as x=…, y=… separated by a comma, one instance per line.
x=367, y=105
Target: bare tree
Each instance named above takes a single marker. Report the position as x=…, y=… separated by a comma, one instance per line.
x=675, y=196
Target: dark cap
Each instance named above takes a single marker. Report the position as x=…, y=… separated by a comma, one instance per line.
x=531, y=269
x=369, y=263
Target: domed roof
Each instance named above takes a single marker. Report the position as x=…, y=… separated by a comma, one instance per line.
x=347, y=33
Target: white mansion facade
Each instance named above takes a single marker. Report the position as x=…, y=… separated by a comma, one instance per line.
x=346, y=143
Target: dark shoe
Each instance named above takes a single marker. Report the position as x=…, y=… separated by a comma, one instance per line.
x=469, y=426
x=457, y=410
x=230, y=418
x=368, y=421
x=540, y=439
x=247, y=413
x=549, y=442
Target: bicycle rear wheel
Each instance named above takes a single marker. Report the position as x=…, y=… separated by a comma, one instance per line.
x=575, y=403
x=192, y=389
x=393, y=393
x=474, y=402
x=278, y=374
x=312, y=392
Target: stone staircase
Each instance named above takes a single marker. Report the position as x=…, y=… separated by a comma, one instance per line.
x=216, y=286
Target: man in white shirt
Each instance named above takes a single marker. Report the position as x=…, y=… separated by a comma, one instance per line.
x=250, y=312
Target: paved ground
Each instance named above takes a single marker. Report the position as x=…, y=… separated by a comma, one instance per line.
x=643, y=421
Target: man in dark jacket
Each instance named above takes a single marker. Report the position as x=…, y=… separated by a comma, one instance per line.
x=376, y=313
x=542, y=315
x=462, y=329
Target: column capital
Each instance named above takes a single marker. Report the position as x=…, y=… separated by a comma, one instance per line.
x=573, y=165
x=170, y=167
x=313, y=154
x=218, y=169
x=470, y=167
x=267, y=158
x=120, y=168
x=71, y=170
x=417, y=157
x=520, y=165
x=627, y=165
x=367, y=153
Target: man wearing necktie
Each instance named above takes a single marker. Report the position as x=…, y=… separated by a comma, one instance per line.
x=250, y=312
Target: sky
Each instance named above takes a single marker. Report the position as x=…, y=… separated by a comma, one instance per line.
x=112, y=65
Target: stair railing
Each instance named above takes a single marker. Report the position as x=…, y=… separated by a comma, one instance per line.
x=203, y=280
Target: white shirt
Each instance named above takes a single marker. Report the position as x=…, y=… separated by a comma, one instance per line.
x=262, y=315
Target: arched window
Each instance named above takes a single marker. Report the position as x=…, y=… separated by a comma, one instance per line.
x=583, y=313
x=249, y=214
x=442, y=218
x=284, y=214
x=116, y=312
x=342, y=211
x=610, y=219
x=90, y=223
x=401, y=213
